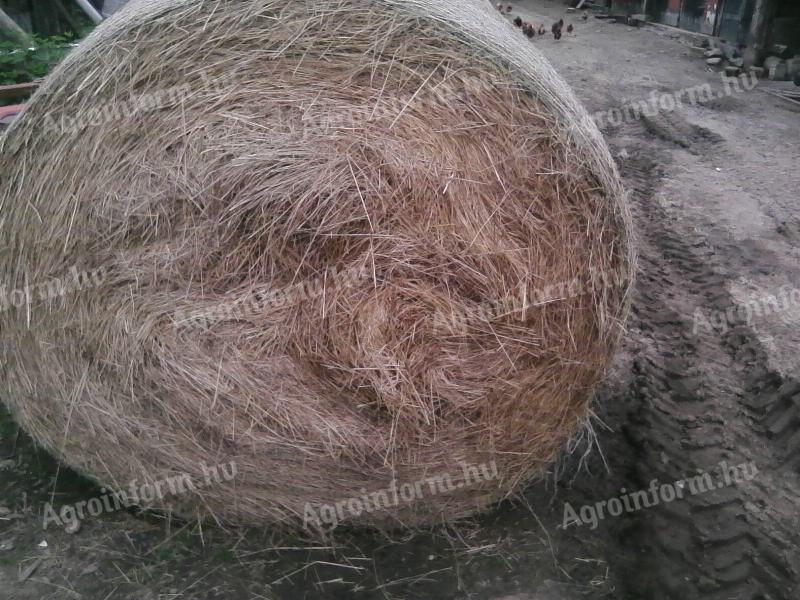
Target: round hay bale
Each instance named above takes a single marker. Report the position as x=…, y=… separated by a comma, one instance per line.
x=370, y=256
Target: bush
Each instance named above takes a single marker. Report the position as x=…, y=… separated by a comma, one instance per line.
x=21, y=65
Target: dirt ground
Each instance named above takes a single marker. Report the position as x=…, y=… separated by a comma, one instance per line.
x=714, y=192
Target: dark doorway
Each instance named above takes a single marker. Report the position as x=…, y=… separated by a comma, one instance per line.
x=692, y=15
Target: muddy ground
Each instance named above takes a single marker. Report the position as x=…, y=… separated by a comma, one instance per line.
x=715, y=196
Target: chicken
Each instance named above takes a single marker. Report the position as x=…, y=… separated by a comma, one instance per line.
x=499, y=7
x=560, y=23
x=508, y=8
x=557, y=34
x=584, y=16
x=570, y=28
x=554, y=27
x=530, y=32
x=542, y=30
x=518, y=21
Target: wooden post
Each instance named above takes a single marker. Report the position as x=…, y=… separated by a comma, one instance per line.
x=8, y=24
x=755, y=53
x=91, y=11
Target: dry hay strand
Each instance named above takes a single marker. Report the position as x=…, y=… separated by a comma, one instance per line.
x=320, y=234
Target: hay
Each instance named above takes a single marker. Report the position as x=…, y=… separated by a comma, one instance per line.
x=332, y=237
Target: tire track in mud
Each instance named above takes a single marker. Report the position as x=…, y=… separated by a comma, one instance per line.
x=701, y=398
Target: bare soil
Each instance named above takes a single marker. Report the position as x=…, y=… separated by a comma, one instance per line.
x=715, y=194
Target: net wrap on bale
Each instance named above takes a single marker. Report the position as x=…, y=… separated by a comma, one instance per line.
x=347, y=246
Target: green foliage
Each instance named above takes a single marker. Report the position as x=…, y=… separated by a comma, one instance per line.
x=20, y=65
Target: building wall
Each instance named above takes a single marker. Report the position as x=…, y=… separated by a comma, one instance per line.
x=729, y=19
x=626, y=7
x=672, y=13
x=735, y=19
x=698, y=15
x=664, y=11
x=694, y=15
